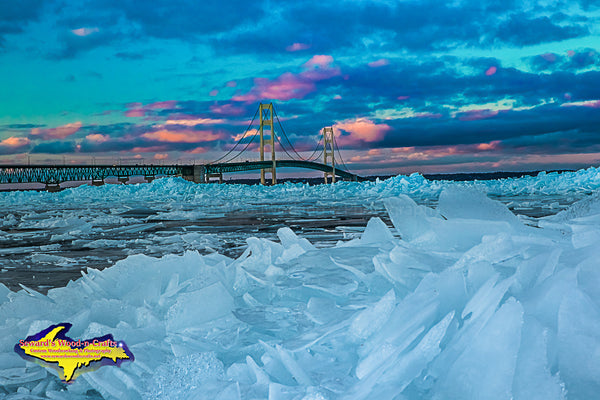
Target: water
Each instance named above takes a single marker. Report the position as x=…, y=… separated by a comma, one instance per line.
x=50, y=238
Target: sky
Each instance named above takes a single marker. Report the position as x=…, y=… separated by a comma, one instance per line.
x=425, y=86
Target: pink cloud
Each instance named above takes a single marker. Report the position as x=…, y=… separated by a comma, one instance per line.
x=60, y=132
x=189, y=136
x=403, y=97
x=493, y=145
x=337, y=97
x=323, y=61
x=379, y=63
x=491, y=71
x=231, y=84
x=84, y=31
x=189, y=120
x=162, y=105
x=213, y=93
x=550, y=57
x=286, y=87
x=570, y=53
x=586, y=103
x=360, y=130
x=150, y=149
x=97, y=138
x=428, y=115
x=14, y=141
x=161, y=156
x=197, y=150
x=292, y=86
x=297, y=47
x=227, y=109
x=474, y=115
x=138, y=112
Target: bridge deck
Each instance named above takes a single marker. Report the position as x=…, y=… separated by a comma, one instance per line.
x=54, y=175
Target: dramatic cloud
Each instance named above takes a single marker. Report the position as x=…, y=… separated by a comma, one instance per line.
x=15, y=15
x=185, y=136
x=84, y=31
x=54, y=148
x=97, y=138
x=292, y=86
x=186, y=18
x=60, y=132
x=298, y=47
x=572, y=61
x=360, y=130
x=521, y=29
x=14, y=145
x=136, y=110
x=15, y=142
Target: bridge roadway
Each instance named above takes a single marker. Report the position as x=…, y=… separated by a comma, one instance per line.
x=52, y=176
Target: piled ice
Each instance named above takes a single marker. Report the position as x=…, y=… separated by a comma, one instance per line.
x=229, y=197
x=464, y=302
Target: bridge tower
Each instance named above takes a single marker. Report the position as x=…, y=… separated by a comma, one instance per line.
x=328, y=140
x=269, y=123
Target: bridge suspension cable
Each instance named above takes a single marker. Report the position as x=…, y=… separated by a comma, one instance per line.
x=244, y=149
x=238, y=142
x=312, y=156
x=288, y=140
x=340, y=154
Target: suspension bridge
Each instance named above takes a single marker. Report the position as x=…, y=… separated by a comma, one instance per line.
x=327, y=148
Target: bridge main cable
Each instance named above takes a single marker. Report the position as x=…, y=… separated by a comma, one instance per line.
x=238, y=142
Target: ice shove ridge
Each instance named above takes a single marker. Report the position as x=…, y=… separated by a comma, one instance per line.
x=452, y=305
x=415, y=185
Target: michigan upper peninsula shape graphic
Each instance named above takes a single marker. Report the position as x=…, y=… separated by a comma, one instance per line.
x=52, y=348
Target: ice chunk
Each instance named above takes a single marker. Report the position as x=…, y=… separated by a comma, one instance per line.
x=372, y=318
x=393, y=377
x=289, y=238
x=192, y=376
x=376, y=232
x=200, y=306
x=579, y=345
x=588, y=278
x=472, y=203
x=582, y=208
x=4, y=291
x=485, y=370
x=533, y=379
x=584, y=235
x=409, y=219
x=321, y=310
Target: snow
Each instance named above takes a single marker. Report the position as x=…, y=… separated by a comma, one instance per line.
x=461, y=299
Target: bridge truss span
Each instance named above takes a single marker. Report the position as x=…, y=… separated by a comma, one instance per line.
x=54, y=175
x=256, y=165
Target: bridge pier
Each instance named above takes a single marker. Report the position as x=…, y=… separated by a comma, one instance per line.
x=216, y=175
x=329, y=138
x=149, y=178
x=197, y=175
x=123, y=179
x=52, y=187
x=97, y=182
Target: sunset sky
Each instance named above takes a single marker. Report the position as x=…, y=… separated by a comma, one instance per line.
x=408, y=86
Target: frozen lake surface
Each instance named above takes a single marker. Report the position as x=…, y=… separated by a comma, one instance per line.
x=399, y=289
